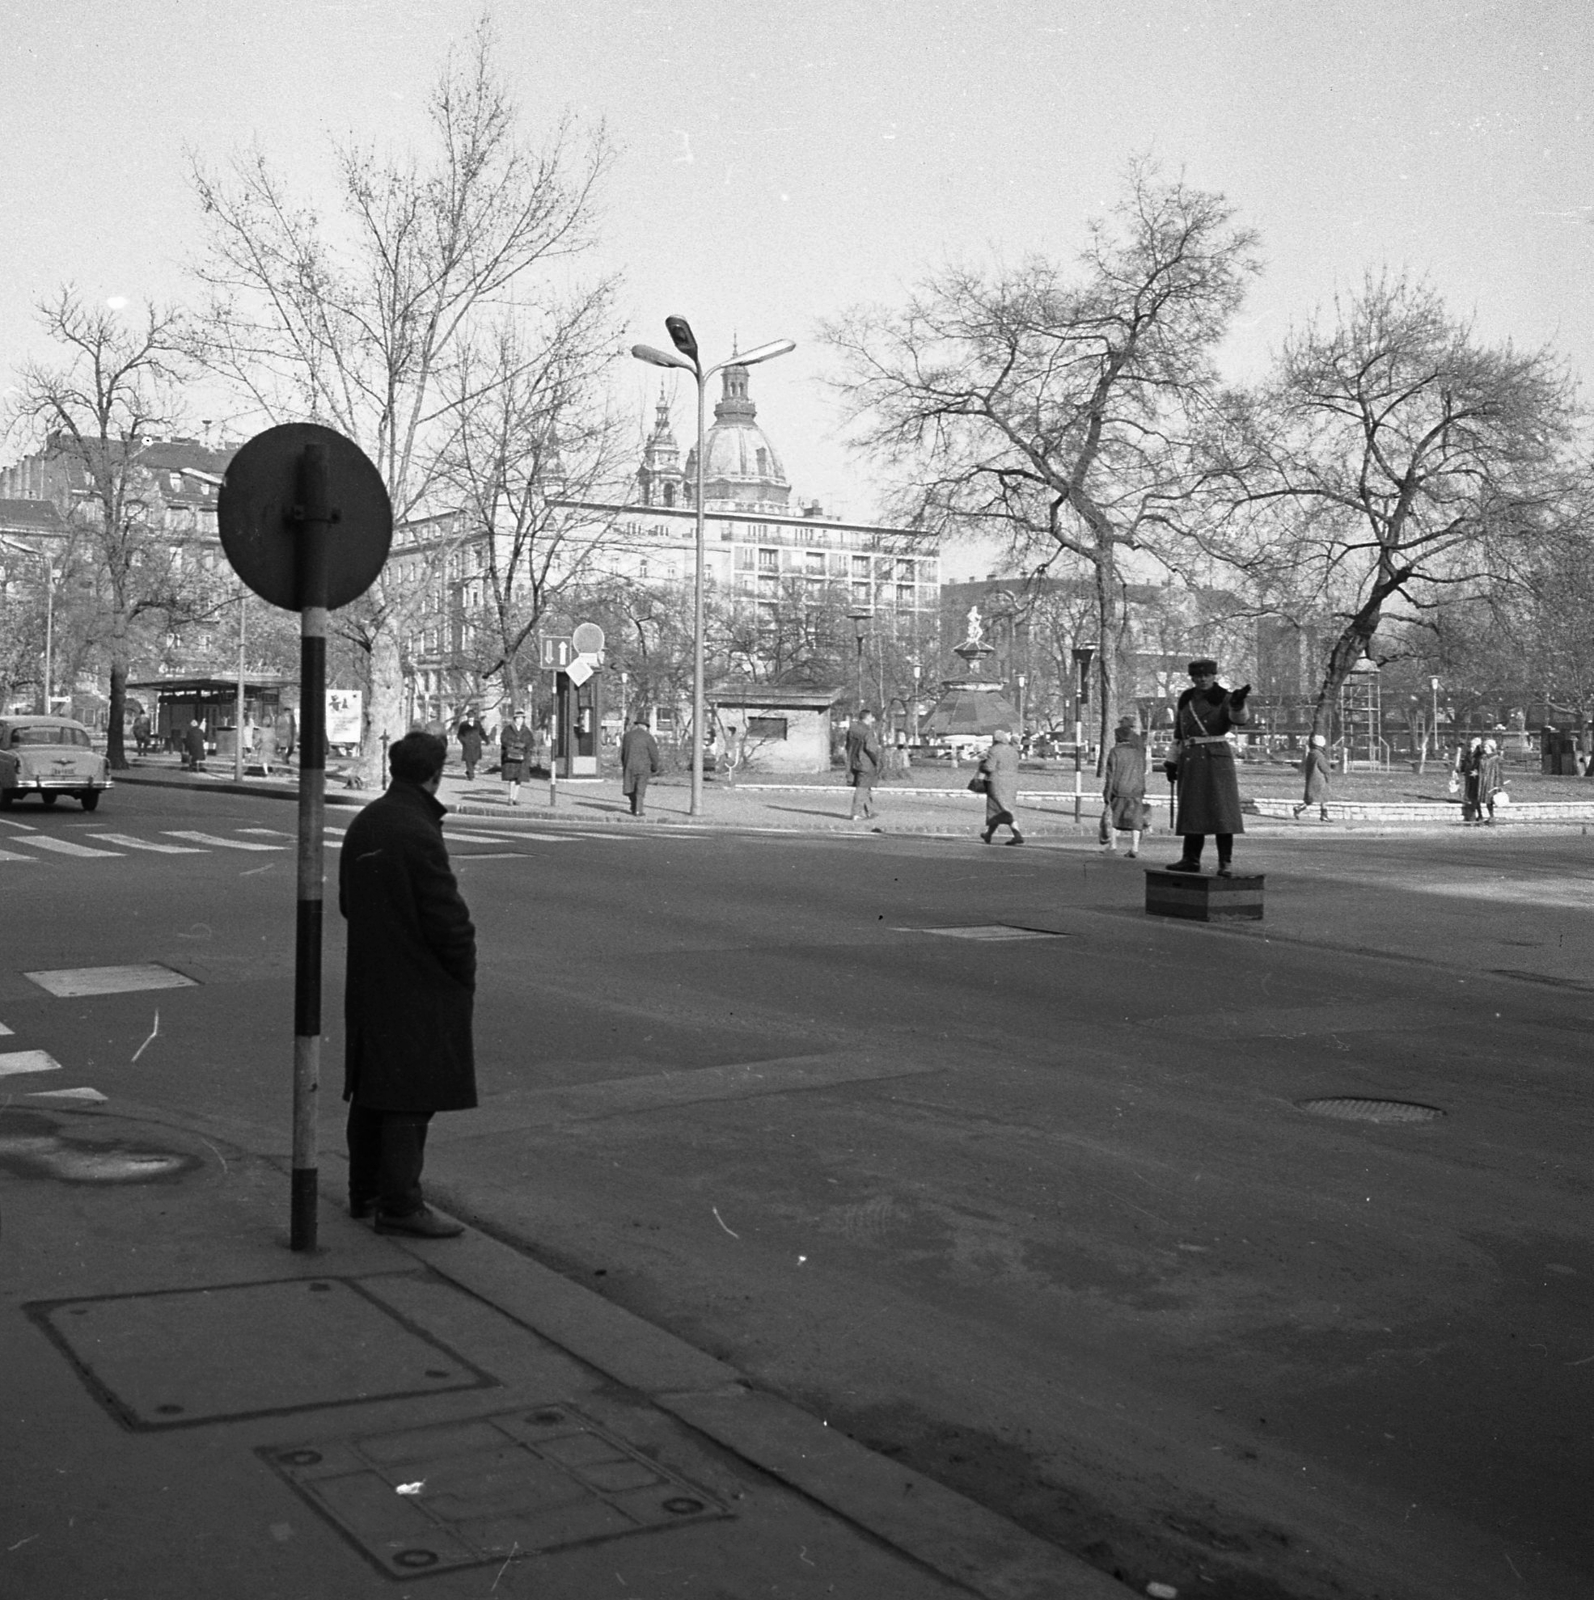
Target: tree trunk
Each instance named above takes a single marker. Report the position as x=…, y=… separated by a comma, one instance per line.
x=1108, y=646
x=115, y=745
x=384, y=708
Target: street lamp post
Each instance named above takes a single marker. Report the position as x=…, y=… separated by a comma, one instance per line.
x=1433, y=685
x=685, y=356
x=1023, y=682
x=917, y=672
x=858, y=619
x=1083, y=654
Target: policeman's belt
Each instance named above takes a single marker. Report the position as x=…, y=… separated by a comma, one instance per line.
x=1206, y=738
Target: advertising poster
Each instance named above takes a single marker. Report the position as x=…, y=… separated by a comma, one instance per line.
x=345, y=708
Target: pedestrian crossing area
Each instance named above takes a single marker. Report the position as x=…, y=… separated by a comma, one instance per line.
x=24, y=843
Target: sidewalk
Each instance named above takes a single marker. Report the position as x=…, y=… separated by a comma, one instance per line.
x=900, y=808
x=195, y=1410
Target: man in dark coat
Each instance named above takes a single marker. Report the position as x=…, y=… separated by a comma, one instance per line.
x=1203, y=766
x=410, y=991
x=471, y=735
x=639, y=761
x=863, y=763
x=194, y=746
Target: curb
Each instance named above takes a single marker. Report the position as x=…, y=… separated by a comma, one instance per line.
x=920, y=1518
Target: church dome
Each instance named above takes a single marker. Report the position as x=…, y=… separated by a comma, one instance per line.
x=739, y=462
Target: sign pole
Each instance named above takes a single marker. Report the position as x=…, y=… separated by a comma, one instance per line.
x=314, y=517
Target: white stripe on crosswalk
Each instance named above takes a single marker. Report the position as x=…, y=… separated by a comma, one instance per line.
x=65, y=847
x=11, y=855
x=18, y=1061
x=267, y=833
x=130, y=843
x=216, y=839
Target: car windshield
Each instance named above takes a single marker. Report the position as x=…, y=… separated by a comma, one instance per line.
x=48, y=735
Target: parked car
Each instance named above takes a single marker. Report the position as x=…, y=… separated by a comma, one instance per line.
x=49, y=757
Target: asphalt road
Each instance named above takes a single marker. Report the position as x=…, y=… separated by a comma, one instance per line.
x=1043, y=1216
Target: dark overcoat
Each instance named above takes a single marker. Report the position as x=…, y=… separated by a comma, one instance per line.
x=411, y=985
x=863, y=753
x=470, y=741
x=1000, y=767
x=639, y=757
x=514, y=753
x=1209, y=785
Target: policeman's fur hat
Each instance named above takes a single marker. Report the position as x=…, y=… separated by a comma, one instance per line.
x=1199, y=669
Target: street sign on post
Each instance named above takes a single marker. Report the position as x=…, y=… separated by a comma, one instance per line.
x=556, y=652
x=305, y=520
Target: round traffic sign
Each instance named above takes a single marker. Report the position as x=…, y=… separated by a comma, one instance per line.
x=586, y=639
x=260, y=514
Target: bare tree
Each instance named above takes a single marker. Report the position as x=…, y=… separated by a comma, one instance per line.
x=533, y=425
x=95, y=412
x=1395, y=464
x=360, y=320
x=1056, y=409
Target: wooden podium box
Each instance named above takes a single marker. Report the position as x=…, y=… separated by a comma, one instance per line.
x=1200, y=897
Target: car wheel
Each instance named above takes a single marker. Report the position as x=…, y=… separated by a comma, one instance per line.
x=90, y=799
x=49, y=797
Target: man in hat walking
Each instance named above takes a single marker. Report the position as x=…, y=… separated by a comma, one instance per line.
x=1203, y=766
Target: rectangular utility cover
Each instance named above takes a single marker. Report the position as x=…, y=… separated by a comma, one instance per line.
x=462, y=1494
x=68, y=983
x=997, y=931
x=186, y=1356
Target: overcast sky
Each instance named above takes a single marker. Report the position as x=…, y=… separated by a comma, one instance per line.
x=782, y=160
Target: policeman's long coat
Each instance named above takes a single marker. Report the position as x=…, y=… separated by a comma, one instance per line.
x=411, y=983
x=1209, y=785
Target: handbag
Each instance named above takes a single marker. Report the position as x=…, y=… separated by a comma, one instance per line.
x=1104, y=832
x=1455, y=784
x=979, y=784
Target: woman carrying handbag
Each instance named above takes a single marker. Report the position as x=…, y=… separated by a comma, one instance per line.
x=1000, y=771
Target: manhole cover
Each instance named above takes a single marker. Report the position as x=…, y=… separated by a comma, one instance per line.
x=462, y=1494
x=989, y=930
x=180, y=1357
x=1349, y=1109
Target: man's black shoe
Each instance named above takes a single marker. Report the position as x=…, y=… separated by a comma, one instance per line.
x=1183, y=866
x=422, y=1224
x=1225, y=870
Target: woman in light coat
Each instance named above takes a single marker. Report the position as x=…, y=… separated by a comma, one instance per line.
x=1123, y=789
x=1000, y=771
x=1314, y=769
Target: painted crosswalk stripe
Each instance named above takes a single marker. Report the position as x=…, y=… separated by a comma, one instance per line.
x=88, y=1096
x=267, y=833
x=127, y=841
x=12, y=855
x=64, y=847
x=69, y=983
x=216, y=839
x=27, y=1061
x=5, y=1032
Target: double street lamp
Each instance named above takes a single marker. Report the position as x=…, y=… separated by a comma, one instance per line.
x=685, y=356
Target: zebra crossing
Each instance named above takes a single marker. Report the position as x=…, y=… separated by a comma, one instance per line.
x=22, y=843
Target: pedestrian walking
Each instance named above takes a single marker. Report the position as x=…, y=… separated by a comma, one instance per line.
x=1316, y=772
x=1491, y=780
x=287, y=733
x=1000, y=772
x=1469, y=769
x=863, y=763
x=1123, y=789
x=410, y=990
x=639, y=761
x=141, y=733
x=471, y=735
x=514, y=756
x=266, y=745
x=1203, y=766
x=194, y=746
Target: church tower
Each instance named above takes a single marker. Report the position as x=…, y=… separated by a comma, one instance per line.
x=659, y=476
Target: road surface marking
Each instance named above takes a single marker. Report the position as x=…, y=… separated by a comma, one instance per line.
x=991, y=930
x=268, y=833
x=494, y=855
x=127, y=840
x=67, y=983
x=27, y=1061
x=216, y=839
x=65, y=847
x=21, y=827
x=5, y=1032
x=91, y=1095
x=11, y=855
